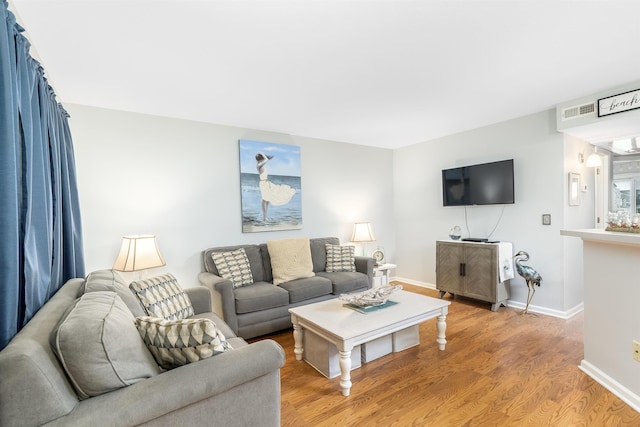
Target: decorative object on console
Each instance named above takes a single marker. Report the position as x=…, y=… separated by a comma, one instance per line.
x=270, y=186
x=455, y=233
x=362, y=233
x=372, y=297
x=138, y=253
x=530, y=276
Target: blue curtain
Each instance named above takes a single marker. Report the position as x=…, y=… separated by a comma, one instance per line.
x=40, y=230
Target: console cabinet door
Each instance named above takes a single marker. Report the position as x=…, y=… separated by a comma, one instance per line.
x=481, y=271
x=449, y=261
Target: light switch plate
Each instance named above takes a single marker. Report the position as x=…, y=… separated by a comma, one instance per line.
x=546, y=219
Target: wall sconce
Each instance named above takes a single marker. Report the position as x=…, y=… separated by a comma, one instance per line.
x=362, y=233
x=594, y=160
x=138, y=253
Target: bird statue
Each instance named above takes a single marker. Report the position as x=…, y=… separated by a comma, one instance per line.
x=530, y=276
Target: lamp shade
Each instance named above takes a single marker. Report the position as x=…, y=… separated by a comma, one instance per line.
x=362, y=232
x=594, y=160
x=138, y=253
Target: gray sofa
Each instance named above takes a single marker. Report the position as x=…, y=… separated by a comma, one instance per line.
x=262, y=307
x=35, y=389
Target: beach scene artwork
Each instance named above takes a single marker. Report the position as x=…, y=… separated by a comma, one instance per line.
x=271, y=186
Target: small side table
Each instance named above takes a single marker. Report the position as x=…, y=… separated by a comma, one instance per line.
x=381, y=274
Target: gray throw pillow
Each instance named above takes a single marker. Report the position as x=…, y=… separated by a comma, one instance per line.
x=162, y=296
x=111, y=280
x=234, y=265
x=340, y=258
x=99, y=347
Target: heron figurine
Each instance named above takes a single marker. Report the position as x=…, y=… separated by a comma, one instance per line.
x=530, y=276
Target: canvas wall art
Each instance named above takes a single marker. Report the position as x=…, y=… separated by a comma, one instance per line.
x=271, y=186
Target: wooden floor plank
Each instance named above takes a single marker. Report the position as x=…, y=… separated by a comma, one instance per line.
x=498, y=369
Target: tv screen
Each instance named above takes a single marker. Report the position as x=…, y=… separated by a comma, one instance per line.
x=481, y=184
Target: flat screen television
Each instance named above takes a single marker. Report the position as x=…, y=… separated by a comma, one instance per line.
x=481, y=184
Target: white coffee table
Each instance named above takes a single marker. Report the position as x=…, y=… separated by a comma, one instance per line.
x=346, y=328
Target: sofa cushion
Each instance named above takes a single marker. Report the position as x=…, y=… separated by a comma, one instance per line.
x=319, y=251
x=99, y=347
x=234, y=265
x=290, y=259
x=175, y=343
x=340, y=258
x=111, y=280
x=345, y=281
x=307, y=288
x=162, y=296
x=259, y=296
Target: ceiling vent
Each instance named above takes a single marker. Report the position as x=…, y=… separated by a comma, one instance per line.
x=579, y=111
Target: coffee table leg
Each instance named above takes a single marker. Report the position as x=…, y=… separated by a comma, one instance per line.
x=345, y=372
x=442, y=327
x=297, y=338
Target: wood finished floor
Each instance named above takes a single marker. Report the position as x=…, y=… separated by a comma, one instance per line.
x=498, y=369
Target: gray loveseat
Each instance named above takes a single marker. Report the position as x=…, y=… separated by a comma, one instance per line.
x=35, y=389
x=262, y=307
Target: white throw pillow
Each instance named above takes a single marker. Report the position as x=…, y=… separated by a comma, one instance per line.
x=290, y=259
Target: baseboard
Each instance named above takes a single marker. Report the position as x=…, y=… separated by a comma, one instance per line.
x=413, y=282
x=548, y=311
x=626, y=395
x=514, y=304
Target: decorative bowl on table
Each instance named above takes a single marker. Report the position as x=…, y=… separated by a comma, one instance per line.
x=372, y=297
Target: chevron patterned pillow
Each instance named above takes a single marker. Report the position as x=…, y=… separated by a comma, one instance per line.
x=162, y=296
x=234, y=265
x=175, y=343
x=340, y=258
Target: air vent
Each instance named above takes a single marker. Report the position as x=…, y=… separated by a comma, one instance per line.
x=579, y=111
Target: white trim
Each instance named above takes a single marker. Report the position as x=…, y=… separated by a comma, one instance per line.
x=510, y=303
x=626, y=395
x=414, y=282
x=548, y=311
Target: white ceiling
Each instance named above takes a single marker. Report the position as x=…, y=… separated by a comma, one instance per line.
x=386, y=73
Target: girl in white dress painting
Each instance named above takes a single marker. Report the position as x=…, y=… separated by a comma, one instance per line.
x=276, y=194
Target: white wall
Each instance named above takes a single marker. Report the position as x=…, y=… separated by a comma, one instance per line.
x=179, y=180
x=540, y=186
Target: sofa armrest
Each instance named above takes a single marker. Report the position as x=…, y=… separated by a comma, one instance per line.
x=181, y=388
x=223, y=298
x=200, y=299
x=365, y=265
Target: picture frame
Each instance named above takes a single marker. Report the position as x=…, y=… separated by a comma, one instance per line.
x=619, y=103
x=574, y=189
x=270, y=186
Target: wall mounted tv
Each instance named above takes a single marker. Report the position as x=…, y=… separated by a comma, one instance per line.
x=481, y=184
